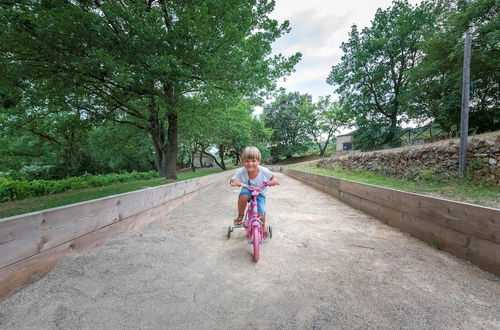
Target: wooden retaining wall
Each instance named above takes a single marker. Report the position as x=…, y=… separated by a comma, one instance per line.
x=467, y=231
x=31, y=244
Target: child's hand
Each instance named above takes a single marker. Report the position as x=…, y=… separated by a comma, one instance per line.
x=273, y=182
x=234, y=182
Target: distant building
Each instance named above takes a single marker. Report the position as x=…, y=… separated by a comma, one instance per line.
x=206, y=160
x=344, y=142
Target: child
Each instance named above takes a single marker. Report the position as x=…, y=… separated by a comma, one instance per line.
x=252, y=174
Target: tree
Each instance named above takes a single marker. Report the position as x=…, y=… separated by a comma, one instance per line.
x=260, y=137
x=223, y=124
x=136, y=62
x=436, y=82
x=62, y=133
x=114, y=147
x=372, y=76
x=288, y=123
x=323, y=119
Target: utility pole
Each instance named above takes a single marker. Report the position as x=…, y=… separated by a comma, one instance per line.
x=464, y=117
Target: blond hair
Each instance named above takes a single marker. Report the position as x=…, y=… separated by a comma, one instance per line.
x=251, y=153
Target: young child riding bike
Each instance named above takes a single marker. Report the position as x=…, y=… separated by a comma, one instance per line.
x=252, y=174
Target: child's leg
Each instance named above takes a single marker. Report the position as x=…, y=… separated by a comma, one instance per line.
x=242, y=203
x=262, y=213
x=263, y=220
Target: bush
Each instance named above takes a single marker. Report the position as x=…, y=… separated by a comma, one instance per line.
x=35, y=172
x=11, y=189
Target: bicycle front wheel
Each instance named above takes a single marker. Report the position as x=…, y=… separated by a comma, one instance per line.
x=256, y=243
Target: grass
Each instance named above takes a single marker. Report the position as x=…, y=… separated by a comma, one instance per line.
x=463, y=191
x=32, y=204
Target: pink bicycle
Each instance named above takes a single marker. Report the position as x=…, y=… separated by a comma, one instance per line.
x=251, y=222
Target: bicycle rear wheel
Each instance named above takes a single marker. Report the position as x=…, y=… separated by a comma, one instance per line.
x=256, y=243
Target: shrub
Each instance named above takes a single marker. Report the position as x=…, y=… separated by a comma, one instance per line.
x=11, y=189
x=36, y=172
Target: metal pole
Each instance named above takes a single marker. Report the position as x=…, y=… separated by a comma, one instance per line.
x=464, y=122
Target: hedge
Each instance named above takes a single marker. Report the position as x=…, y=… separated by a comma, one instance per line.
x=11, y=189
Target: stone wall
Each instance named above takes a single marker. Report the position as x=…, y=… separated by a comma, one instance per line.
x=437, y=159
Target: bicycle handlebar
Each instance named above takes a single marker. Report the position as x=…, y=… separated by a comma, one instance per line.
x=252, y=188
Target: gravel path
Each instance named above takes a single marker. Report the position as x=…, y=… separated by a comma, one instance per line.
x=328, y=266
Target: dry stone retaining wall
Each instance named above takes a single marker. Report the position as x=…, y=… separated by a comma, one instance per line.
x=437, y=159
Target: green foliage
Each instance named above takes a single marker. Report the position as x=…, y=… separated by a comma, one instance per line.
x=372, y=76
x=288, y=122
x=470, y=191
x=408, y=66
x=32, y=204
x=323, y=119
x=260, y=135
x=428, y=175
x=475, y=164
x=34, y=172
x=436, y=83
x=371, y=135
x=136, y=62
x=11, y=189
x=227, y=125
x=114, y=147
x=104, y=148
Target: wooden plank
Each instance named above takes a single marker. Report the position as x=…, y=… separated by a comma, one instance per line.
x=17, y=275
x=25, y=235
x=482, y=253
x=334, y=183
x=334, y=192
x=468, y=231
x=106, y=210
x=368, y=207
x=483, y=222
x=351, y=200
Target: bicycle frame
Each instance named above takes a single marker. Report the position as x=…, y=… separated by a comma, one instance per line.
x=252, y=222
x=252, y=213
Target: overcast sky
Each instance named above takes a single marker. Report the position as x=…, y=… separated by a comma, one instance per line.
x=318, y=29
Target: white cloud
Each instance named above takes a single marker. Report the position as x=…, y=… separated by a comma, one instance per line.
x=318, y=29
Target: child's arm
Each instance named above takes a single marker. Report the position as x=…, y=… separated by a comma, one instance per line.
x=273, y=181
x=235, y=182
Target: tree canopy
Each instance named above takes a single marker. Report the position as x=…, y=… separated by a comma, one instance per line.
x=288, y=122
x=137, y=62
x=407, y=67
x=436, y=82
x=372, y=77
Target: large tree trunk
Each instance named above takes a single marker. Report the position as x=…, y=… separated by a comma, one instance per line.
x=191, y=161
x=160, y=157
x=158, y=137
x=172, y=146
x=221, y=154
x=221, y=164
x=201, y=159
x=392, y=129
x=322, y=150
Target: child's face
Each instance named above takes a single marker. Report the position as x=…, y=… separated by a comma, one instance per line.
x=251, y=164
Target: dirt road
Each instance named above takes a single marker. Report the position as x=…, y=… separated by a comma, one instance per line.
x=328, y=266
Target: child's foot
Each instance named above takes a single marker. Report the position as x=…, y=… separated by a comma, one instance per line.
x=266, y=232
x=238, y=220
